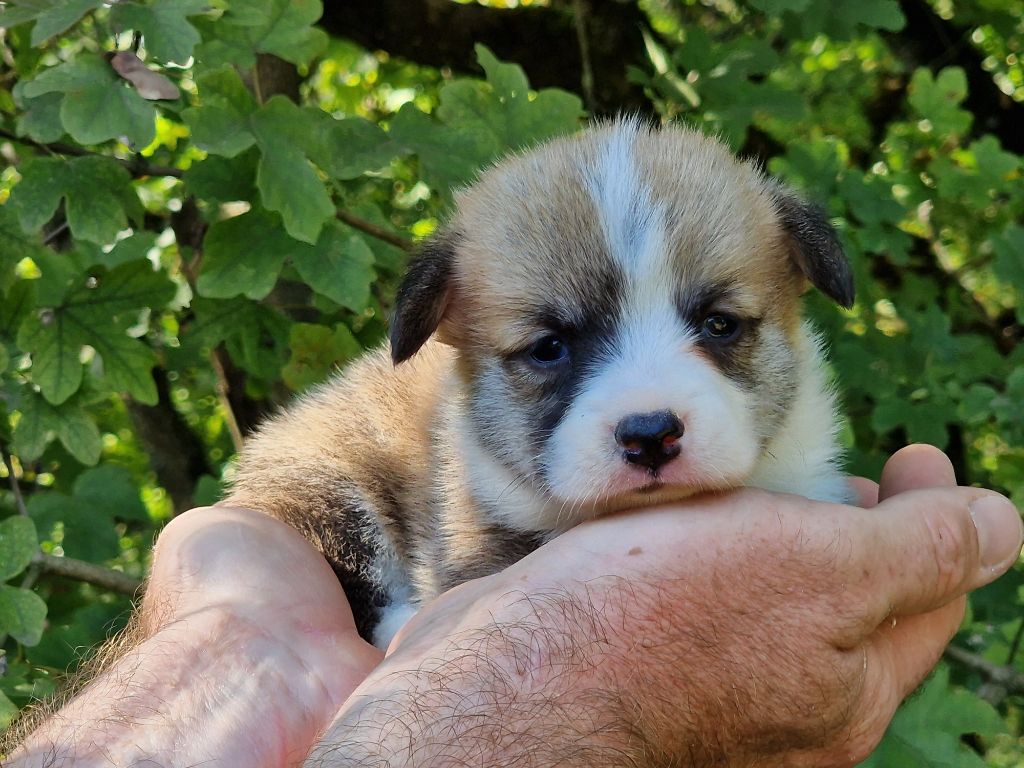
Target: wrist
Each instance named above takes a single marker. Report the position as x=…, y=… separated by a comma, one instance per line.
x=209, y=687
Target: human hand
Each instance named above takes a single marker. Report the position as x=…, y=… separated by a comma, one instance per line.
x=242, y=652
x=744, y=629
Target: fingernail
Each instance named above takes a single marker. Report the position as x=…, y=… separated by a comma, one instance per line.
x=999, y=531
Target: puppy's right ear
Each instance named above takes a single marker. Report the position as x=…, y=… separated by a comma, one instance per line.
x=423, y=296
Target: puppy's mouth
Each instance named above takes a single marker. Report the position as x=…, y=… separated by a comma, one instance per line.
x=652, y=487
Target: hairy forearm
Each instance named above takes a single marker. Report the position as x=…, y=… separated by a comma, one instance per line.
x=178, y=697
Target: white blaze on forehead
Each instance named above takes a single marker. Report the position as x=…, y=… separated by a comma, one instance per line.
x=632, y=223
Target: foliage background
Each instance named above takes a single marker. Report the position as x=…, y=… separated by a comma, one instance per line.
x=182, y=250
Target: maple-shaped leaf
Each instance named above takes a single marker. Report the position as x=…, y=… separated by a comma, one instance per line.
x=97, y=313
x=927, y=730
x=284, y=28
x=287, y=181
x=97, y=105
x=480, y=120
x=167, y=34
x=937, y=99
x=220, y=122
x=316, y=350
x=96, y=191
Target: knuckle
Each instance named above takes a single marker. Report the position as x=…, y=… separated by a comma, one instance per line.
x=951, y=545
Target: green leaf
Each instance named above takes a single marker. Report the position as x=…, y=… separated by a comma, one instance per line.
x=978, y=173
x=51, y=16
x=81, y=528
x=222, y=179
x=243, y=255
x=340, y=267
x=127, y=366
x=70, y=632
x=214, y=321
x=8, y=711
x=936, y=99
x=315, y=351
x=118, y=295
x=287, y=181
x=924, y=422
x=97, y=105
x=480, y=121
x=526, y=121
x=135, y=247
x=349, y=147
x=1008, y=247
x=208, y=491
x=40, y=117
x=94, y=190
x=112, y=489
x=36, y=428
x=80, y=435
x=260, y=348
x=16, y=244
x=843, y=19
x=446, y=159
x=220, y=124
x=281, y=27
x=255, y=335
x=97, y=313
x=55, y=345
x=164, y=25
x=927, y=730
x=22, y=614
x=18, y=545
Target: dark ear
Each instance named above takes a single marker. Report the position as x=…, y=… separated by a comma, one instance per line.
x=423, y=296
x=816, y=249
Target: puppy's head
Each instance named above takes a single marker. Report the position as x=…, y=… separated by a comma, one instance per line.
x=625, y=306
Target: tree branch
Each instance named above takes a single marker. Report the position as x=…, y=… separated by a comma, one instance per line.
x=97, y=575
x=580, y=11
x=107, y=578
x=19, y=500
x=374, y=231
x=136, y=166
x=1007, y=680
x=175, y=452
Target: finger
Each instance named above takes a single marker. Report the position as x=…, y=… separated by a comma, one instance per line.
x=865, y=492
x=916, y=466
x=889, y=666
x=908, y=648
x=918, y=550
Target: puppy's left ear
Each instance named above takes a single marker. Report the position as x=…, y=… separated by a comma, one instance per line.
x=423, y=297
x=816, y=248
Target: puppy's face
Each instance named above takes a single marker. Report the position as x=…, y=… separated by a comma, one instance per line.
x=625, y=303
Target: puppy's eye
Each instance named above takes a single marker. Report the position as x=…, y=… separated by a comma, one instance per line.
x=549, y=351
x=721, y=327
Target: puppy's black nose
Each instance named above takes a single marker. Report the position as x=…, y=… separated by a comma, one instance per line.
x=649, y=439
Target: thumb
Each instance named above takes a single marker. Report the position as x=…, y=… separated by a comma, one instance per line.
x=928, y=547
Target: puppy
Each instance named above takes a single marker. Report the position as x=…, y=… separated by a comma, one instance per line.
x=608, y=321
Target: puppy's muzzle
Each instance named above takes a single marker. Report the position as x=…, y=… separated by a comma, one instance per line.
x=649, y=439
